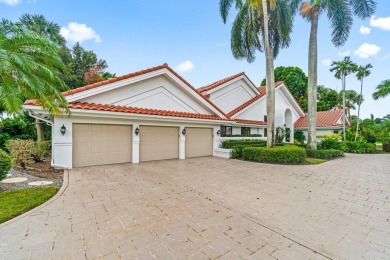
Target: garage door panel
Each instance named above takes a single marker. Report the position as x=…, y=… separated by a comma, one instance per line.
x=159, y=143
x=199, y=142
x=101, y=144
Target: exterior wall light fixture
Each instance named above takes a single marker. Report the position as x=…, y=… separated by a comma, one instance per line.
x=184, y=131
x=219, y=132
x=136, y=131
x=63, y=129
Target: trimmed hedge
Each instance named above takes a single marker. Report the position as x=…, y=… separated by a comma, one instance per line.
x=5, y=164
x=331, y=143
x=289, y=154
x=229, y=144
x=324, y=154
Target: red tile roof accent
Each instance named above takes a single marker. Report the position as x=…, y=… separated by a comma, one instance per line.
x=263, y=89
x=324, y=119
x=134, y=110
x=134, y=74
x=219, y=82
x=246, y=104
x=250, y=122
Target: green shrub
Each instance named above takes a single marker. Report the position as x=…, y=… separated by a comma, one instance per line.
x=4, y=137
x=331, y=143
x=237, y=150
x=300, y=136
x=386, y=147
x=359, y=146
x=324, y=154
x=229, y=144
x=20, y=150
x=289, y=154
x=40, y=150
x=244, y=135
x=5, y=164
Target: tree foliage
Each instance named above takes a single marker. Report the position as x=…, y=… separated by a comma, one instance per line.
x=382, y=90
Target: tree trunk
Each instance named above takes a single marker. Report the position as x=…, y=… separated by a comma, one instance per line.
x=270, y=80
x=312, y=81
x=344, y=115
x=360, y=103
x=40, y=130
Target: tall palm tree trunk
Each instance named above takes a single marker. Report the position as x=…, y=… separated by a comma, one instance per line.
x=312, y=80
x=270, y=79
x=358, y=115
x=344, y=116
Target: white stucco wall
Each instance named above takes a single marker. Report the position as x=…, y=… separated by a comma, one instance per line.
x=232, y=95
x=319, y=131
x=158, y=92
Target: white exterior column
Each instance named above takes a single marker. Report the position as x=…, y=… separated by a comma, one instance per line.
x=182, y=144
x=135, y=145
x=216, y=138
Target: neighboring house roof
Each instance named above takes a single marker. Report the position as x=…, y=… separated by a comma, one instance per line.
x=324, y=119
x=134, y=74
x=134, y=110
x=250, y=122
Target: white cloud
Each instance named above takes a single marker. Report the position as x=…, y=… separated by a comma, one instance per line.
x=78, y=32
x=10, y=2
x=382, y=23
x=185, y=66
x=326, y=62
x=365, y=30
x=367, y=50
x=345, y=53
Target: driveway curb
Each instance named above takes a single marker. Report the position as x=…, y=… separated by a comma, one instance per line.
x=65, y=184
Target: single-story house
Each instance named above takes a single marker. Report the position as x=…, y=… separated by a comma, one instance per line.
x=155, y=114
x=328, y=122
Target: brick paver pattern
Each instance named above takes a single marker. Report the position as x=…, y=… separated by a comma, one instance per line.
x=209, y=208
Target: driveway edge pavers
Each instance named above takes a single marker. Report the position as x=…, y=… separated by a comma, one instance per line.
x=65, y=184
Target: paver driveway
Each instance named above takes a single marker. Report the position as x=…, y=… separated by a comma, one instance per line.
x=209, y=208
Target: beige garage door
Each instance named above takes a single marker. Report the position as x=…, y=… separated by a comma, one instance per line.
x=158, y=143
x=95, y=144
x=199, y=142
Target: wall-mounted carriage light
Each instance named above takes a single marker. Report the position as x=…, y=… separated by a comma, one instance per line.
x=63, y=129
x=219, y=132
x=184, y=131
x=136, y=131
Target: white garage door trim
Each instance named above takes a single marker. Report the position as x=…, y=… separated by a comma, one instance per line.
x=100, y=144
x=199, y=142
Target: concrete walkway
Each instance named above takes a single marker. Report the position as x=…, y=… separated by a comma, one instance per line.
x=213, y=208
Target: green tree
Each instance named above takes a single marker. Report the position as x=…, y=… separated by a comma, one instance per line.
x=362, y=72
x=342, y=69
x=30, y=67
x=327, y=98
x=260, y=25
x=296, y=81
x=340, y=14
x=382, y=90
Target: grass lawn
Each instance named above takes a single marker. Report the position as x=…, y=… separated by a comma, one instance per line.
x=314, y=160
x=14, y=203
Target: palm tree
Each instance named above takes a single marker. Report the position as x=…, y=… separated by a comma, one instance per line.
x=30, y=68
x=362, y=72
x=342, y=69
x=339, y=13
x=261, y=24
x=382, y=90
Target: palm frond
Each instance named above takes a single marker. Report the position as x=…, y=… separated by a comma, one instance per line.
x=382, y=90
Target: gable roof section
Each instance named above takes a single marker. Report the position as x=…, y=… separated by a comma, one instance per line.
x=135, y=74
x=324, y=119
x=205, y=89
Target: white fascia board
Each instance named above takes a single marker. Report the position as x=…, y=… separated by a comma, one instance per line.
x=243, y=77
x=121, y=115
x=319, y=128
x=292, y=100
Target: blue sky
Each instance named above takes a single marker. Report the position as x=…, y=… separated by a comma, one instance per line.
x=191, y=38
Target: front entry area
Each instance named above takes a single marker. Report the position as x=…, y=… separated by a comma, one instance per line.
x=158, y=143
x=99, y=144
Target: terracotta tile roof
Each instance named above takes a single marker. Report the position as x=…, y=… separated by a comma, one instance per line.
x=250, y=122
x=134, y=110
x=219, y=82
x=263, y=89
x=134, y=74
x=246, y=104
x=324, y=119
